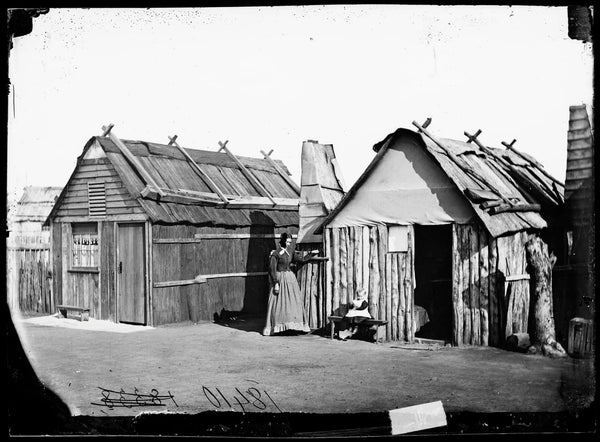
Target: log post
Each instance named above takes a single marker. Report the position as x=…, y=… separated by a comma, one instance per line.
x=540, y=267
x=382, y=248
x=457, y=319
x=374, y=274
x=494, y=312
x=350, y=241
x=358, y=258
x=484, y=285
x=328, y=279
x=335, y=271
x=403, y=283
x=343, y=269
x=390, y=312
x=466, y=290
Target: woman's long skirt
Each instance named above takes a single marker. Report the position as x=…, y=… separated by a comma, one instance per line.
x=286, y=309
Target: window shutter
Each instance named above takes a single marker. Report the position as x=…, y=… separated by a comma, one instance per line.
x=97, y=200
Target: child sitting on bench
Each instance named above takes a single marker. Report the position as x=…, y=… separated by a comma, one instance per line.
x=358, y=312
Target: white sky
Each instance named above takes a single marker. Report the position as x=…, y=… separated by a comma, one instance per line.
x=272, y=77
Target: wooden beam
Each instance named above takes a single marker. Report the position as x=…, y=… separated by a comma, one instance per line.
x=281, y=172
x=498, y=158
x=517, y=277
x=106, y=129
x=238, y=235
x=461, y=165
x=507, y=145
x=201, y=279
x=473, y=137
x=133, y=160
x=246, y=172
x=515, y=208
x=425, y=124
x=200, y=237
x=200, y=172
x=170, y=196
x=530, y=159
x=264, y=203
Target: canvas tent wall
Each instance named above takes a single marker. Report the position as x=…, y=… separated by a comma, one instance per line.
x=413, y=184
x=141, y=236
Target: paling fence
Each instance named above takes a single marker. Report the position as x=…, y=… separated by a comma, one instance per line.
x=28, y=273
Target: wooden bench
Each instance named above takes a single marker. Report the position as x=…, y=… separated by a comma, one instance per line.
x=361, y=322
x=71, y=311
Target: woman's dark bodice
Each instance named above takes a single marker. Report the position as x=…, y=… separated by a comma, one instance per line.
x=280, y=261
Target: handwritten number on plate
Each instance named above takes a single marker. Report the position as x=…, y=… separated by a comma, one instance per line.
x=155, y=398
x=207, y=392
x=253, y=392
x=107, y=401
x=223, y=396
x=238, y=401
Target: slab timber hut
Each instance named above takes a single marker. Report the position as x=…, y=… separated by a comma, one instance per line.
x=435, y=231
x=149, y=233
x=574, y=275
x=322, y=190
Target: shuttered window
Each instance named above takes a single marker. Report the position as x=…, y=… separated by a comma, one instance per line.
x=97, y=200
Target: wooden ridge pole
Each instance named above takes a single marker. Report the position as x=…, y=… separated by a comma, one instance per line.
x=246, y=172
x=487, y=150
x=509, y=146
x=503, y=161
x=538, y=166
x=281, y=172
x=200, y=172
x=107, y=131
x=461, y=165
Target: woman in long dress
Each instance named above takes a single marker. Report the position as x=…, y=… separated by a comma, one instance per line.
x=286, y=307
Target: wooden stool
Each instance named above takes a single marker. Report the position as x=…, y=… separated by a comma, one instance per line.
x=70, y=311
x=368, y=322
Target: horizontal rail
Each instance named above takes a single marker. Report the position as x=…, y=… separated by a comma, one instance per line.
x=199, y=237
x=516, y=277
x=201, y=279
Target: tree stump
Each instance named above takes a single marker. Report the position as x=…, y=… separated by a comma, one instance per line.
x=540, y=267
x=518, y=342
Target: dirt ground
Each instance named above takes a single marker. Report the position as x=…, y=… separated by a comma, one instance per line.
x=206, y=366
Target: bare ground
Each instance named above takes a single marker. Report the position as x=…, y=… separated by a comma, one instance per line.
x=306, y=373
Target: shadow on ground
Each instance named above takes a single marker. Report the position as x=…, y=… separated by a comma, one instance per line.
x=250, y=323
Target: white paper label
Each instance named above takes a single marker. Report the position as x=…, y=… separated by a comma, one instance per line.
x=418, y=417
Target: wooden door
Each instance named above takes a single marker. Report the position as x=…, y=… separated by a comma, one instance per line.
x=130, y=274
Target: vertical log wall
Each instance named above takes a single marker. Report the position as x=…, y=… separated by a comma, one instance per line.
x=486, y=307
x=311, y=280
x=359, y=259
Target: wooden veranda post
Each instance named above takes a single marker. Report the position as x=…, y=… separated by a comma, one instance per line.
x=540, y=266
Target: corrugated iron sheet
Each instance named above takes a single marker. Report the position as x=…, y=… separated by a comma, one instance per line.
x=169, y=168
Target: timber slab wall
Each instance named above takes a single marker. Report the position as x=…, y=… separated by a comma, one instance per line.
x=490, y=285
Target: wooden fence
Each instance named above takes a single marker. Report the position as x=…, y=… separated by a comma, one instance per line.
x=28, y=273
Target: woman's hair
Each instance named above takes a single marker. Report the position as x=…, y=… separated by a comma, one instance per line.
x=283, y=238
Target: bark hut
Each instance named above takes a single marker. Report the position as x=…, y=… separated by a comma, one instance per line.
x=540, y=267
